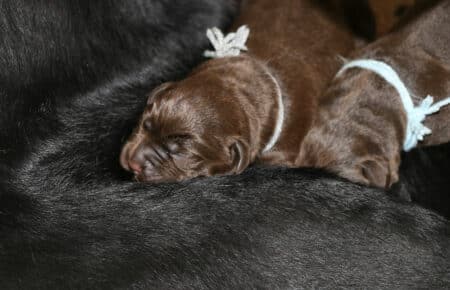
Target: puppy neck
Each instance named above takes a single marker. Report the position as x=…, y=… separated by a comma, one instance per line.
x=415, y=128
x=280, y=115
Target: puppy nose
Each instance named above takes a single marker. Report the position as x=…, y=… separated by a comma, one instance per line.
x=135, y=166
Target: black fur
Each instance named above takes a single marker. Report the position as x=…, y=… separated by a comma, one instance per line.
x=264, y=229
x=426, y=178
x=65, y=63
x=74, y=76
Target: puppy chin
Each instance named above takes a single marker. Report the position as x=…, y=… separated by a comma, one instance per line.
x=158, y=178
x=150, y=178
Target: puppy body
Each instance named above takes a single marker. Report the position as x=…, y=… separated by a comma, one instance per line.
x=293, y=45
x=362, y=122
x=300, y=41
x=215, y=121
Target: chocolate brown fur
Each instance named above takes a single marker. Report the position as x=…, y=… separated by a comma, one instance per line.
x=221, y=117
x=361, y=126
x=213, y=122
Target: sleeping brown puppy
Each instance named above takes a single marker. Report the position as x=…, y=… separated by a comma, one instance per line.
x=363, y=123
x=232, y=111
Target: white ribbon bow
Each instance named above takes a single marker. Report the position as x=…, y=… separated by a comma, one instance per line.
x=416, y=131
x=230, y=45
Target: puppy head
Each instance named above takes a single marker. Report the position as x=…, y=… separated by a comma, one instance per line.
x=353, y=157
x=188, y=129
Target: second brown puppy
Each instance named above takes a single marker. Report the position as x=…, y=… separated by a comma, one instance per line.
x=226, y=114
x=362, y=121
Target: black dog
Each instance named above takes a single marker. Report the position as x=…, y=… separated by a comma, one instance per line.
x=73, y=82
x=264, y=229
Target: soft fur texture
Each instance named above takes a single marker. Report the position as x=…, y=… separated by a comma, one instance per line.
x=361, y=127
x=265, y=228
x=65, y=64
x=226, y=109
x=70, y=219
x=216, y=121
x=424, y=174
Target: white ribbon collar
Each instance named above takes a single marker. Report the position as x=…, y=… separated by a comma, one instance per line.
x=280, y=117
x=415, y=129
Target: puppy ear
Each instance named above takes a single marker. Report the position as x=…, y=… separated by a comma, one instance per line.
x=239, y=159
x=240, y=156
x=157, y=91
x=378, y=172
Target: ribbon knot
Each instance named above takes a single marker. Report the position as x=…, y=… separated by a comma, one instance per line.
x=415, y=130
x=230, y=45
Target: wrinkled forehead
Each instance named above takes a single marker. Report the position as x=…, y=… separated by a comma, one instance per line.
x=201, y=98
x=175, y=111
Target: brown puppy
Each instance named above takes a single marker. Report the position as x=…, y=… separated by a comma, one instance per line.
x=226, y=114
x=362, y=121
x=213, y=122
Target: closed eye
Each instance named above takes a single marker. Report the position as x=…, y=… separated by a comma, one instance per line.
x=175, y=141
x=178, y=137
